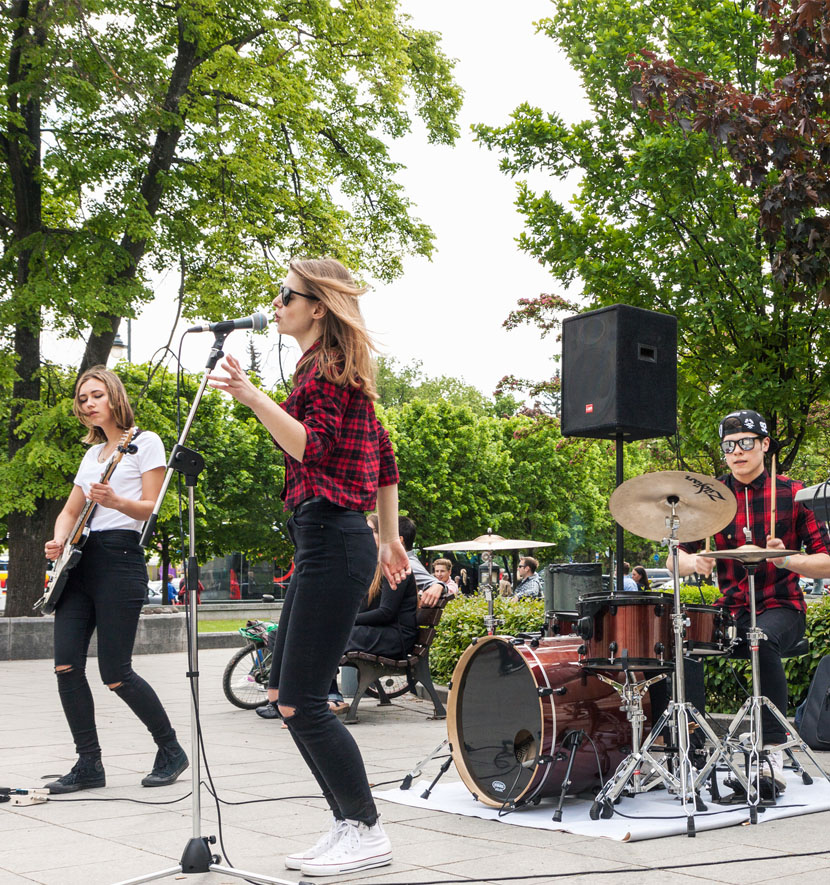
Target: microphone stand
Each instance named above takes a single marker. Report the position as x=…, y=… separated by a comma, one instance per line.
x=197, y=856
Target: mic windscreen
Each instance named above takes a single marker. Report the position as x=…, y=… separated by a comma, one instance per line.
x=260, y=321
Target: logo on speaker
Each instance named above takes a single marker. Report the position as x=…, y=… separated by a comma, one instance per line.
x=498, y=786
x=589, y=407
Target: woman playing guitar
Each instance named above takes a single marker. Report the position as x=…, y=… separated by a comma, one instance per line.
x=105, y=590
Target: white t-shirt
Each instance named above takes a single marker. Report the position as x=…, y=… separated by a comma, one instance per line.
x=125, y=479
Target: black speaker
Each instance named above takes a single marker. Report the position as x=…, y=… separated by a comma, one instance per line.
x=619, y=373
x=566, y=582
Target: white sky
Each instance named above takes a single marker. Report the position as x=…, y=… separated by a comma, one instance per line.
x=448, y=313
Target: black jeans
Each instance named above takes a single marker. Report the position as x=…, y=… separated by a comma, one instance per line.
x=105, y=591
x=334, y=561
x=783, y=627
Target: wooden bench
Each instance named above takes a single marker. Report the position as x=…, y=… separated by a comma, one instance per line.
x=415, y=666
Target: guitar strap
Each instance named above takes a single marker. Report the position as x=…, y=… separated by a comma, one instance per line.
x=138, y=433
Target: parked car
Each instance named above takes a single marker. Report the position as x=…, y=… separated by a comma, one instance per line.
x=658, y=577
x=154, y=591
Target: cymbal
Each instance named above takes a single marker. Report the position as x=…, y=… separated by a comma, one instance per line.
x=490, y=542
x=749, y=553
x=703, y=505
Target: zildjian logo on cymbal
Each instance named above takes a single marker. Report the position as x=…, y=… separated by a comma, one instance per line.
x=705, y=488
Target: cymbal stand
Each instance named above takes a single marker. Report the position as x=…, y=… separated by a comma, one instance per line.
x=486, y=584
x=751, y=709
x=677, y=717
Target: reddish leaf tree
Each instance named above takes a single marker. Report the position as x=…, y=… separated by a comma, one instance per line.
x=779, y=139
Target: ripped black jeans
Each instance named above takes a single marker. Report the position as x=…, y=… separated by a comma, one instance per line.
x=334, y=562
x=105, y=592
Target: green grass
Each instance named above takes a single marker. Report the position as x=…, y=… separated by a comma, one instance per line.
x=227, y=626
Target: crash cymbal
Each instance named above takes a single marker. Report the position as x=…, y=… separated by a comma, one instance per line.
x=490, y=542
x=703, y=505
x=750, y=553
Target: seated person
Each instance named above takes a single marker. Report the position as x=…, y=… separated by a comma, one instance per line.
x=441, y=569
x=640, y=578
x=430, y=591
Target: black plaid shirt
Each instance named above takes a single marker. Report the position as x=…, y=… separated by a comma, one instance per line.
x=795, y=525
x=347, y=454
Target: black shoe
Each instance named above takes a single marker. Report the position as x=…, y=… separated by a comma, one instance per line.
x=171, y=761
x=86, y=774
x=268, y=711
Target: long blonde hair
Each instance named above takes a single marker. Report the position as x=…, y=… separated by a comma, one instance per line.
x=119, y=403
x=374, y=588
x=344, y=356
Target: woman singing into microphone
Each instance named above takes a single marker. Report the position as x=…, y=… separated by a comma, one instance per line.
x=339, y=463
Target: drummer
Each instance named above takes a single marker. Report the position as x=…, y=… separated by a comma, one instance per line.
x=781, y=610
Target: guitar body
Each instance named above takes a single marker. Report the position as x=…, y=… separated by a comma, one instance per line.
x=60, y=572
x=74, y=545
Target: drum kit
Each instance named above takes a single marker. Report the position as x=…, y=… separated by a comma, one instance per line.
x=558, y=711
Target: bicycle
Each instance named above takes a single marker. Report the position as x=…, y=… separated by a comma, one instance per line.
x=245, y=680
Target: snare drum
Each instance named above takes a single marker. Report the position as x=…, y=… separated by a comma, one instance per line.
x=511, y=705
x=634, y=629
x=710, y=630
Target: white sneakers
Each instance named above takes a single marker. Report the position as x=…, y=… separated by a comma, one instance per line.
x=295, y=861
x=776, y=758
x=349, y=846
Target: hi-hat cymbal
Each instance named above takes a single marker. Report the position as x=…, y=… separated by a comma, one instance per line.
x=750, y=553
x=490, y=542
x=702, y=504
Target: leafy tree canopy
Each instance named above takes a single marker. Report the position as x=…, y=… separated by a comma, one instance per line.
x=660, y=221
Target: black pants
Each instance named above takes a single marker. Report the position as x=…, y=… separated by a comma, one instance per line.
x=105, y=592
x=784, y=627
x=334, y=561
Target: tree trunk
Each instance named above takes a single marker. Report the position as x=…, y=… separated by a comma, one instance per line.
x=27, y=564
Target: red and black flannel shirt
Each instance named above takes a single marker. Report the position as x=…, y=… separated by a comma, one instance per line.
x=795, y=525
x=347, y=454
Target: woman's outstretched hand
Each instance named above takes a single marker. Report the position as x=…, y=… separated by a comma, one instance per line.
x=394, y=562
x=236, y=382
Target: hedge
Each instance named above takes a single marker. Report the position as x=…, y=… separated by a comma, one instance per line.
x=463, y=620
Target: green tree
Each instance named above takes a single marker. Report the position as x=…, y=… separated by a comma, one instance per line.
x=220, y=136
x=659, y=221
x=455, y=470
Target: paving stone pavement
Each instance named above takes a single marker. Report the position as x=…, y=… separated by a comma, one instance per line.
x=108, y=835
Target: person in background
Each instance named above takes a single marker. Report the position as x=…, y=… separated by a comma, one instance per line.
x=529, y=584
x=640, y=577
x=430, y=590
x=441, y=570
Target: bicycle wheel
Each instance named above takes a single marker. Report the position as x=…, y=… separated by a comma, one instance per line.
x=393, y=686
x=245, y=679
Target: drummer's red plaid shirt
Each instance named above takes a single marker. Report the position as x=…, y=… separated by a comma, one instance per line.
x=795, y=525
x=347, y=454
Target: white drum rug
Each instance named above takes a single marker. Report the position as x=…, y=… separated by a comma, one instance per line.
x=647, y=815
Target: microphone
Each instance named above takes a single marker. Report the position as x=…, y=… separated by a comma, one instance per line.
x=256, y=321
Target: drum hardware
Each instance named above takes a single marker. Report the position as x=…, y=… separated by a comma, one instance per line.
x=631, y=694
x=406, y=783
x=752, y=557
x=706, y=507
x=571, y=742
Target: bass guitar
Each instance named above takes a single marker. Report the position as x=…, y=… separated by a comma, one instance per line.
x=74, y=545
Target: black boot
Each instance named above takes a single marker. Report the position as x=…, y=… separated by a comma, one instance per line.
x=86, y=773
x=268, y=711
x=171, y=761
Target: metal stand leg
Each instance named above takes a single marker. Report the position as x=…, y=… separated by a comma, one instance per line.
x=406, y=783
x=575, y=739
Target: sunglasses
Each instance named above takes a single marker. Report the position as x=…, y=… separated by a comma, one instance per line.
x=747, y=444
x=286, y=294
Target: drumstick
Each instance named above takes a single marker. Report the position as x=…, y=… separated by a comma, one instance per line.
x=707, y=548
x=773, y=496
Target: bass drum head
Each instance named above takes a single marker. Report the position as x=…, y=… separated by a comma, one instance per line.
x=502, y=730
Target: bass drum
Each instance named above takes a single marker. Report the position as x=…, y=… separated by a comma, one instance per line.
x=511, y=706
